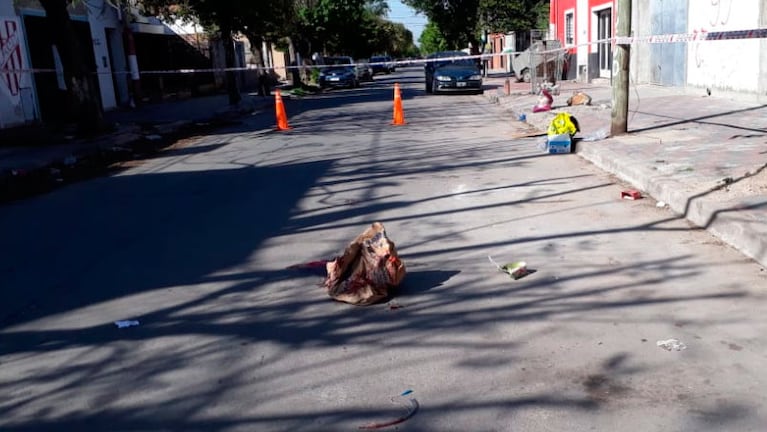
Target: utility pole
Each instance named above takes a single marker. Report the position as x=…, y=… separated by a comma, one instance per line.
x=621, y=57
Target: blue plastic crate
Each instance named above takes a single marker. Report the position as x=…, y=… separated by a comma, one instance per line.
x=559, y=144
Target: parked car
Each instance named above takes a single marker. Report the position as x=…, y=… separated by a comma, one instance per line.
x=382, y=64
x=338, y=72
x=454, y=73
x=364, y=70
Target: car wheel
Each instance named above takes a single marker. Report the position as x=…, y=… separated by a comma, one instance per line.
x=526, y=75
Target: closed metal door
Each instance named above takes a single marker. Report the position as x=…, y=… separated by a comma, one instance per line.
x=604, y=50
x=668, y=60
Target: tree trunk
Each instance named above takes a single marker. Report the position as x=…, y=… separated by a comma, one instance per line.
x=82, y=95
x=232, y=86
x=295, y=73
x=263, y=75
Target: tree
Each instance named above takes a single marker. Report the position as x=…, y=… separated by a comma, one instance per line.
x=431, y=39
x=461, y=21
x=252, y=18
x=82, y=98
x=456, y=19
x=514, y=15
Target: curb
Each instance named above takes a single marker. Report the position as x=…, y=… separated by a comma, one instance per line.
x=741, y=223
x=735, y=222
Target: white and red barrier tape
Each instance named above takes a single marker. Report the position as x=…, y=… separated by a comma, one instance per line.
x=696, y=36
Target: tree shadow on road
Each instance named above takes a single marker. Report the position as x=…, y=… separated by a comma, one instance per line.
x=199, y=255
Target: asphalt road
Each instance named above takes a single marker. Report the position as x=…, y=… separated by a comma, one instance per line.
x=195, y=244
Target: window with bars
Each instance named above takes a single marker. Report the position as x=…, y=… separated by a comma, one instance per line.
x=569, y=28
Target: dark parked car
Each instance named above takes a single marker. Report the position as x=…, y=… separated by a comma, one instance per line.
x=338, y=72
x=364, y=70
x=382, y=64
x=448, y=71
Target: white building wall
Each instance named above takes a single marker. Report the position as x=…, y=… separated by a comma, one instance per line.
x=17, y=97
x=582, y=37
x=100, y=17
x=730, y=64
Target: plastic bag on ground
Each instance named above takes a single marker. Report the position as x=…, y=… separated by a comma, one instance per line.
x=367, y=271
x=563, y=123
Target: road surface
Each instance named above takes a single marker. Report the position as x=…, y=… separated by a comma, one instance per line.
x=194, y=244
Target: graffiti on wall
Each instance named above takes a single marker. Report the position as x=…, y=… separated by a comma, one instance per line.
x=724, y=64
x=10, y=57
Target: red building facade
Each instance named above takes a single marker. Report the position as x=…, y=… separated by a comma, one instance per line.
x=577, y=24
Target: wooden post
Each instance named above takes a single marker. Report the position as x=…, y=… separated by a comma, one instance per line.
x=621, y=57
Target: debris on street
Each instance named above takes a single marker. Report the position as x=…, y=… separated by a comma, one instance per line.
x=555, y=144
x=516, y=270
x=597, y=135
x=561, y=130
x=368, y=269
x=412, y=407
x=631, y=195
x=660, y=204
x=528, y=133
x=579, y=98
x=406, y=392
x=126, y=323
x=544, y=102
x=672, y=345
x=563, y=123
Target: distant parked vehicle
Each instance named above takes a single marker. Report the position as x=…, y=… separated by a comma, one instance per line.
x=450, y=71
x=382, y=64
x=338, y=72
x=364, y=70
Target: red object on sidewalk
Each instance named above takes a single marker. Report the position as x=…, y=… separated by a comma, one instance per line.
x=631, y=195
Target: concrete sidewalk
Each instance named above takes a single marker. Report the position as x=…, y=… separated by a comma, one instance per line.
x=34, y=159
x=705, y=156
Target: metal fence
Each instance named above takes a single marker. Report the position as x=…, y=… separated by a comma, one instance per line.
x=546, y=60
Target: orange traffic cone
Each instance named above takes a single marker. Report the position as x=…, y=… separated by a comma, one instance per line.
x=399, y=115
x=279, y=107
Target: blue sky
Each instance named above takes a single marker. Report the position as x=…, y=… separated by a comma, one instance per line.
x=398, y=12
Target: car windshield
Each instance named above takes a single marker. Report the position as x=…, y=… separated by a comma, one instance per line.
x=461, y=62
x=338, y=69
x=436, y=61
x=338, y=61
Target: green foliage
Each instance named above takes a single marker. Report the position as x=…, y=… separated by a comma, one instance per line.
x=460, y=22
x=457, y=19
x=514, y=15
x=349, y=27
x=432, y=40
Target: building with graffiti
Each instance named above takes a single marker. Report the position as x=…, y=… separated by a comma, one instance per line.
x=738, y=65
x=32, y=87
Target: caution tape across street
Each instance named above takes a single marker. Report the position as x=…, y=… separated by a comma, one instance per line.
x=695, y=36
